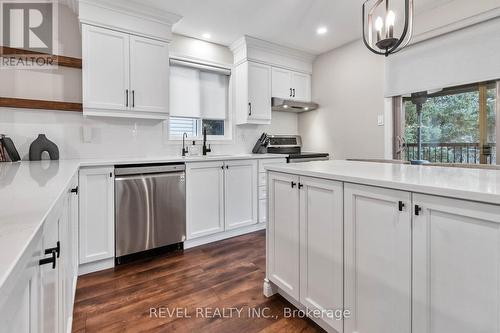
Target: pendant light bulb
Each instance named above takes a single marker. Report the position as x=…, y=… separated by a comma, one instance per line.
x=391, y=19
x=379, y=24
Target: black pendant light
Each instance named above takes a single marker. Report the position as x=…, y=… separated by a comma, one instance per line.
x=386, y=42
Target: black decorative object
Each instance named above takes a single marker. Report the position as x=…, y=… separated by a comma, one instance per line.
x=386, y=42
x=42, y=144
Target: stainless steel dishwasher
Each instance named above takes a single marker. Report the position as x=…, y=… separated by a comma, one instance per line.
x=150, y=209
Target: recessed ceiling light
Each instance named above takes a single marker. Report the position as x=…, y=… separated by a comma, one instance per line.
x=321, y=30
x=206, y=35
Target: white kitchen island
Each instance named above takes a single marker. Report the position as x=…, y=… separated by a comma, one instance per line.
x=394, y=248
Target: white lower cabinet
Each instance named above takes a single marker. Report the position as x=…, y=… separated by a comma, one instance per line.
x=377, y=260
x=220, y=196
x=305, y=240
x=262, y=183
x=42, y=285
x=321, y=243
x=204, y=198
x=240, y=193
x=456, y=266
x=97, y=222
x=283, y=233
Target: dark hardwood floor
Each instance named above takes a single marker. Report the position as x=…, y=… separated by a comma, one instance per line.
x=221, y=276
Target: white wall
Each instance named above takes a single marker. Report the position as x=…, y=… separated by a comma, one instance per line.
x=111, y=137
x=348, y=84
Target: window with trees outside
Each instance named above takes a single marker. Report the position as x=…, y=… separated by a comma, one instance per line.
x=453, y=125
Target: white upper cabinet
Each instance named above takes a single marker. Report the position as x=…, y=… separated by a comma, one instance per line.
x=105, y=69
x=124, y=75
x=301, y=86
x=291, y=85
x=264, y=70
x=149, y=75
x=282, y=83
x=377, y=260
x=240, y=193
x=456, y=266
x=253, y=93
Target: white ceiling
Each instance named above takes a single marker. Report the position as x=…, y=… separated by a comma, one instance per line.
x=290, y=23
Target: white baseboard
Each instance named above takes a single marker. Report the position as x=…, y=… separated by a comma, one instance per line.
x=96, y=266
x=223, y=235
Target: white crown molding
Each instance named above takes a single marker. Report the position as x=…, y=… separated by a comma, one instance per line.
x=128, y=16
x=249, y=48
x=252, y=42
x=133, y=8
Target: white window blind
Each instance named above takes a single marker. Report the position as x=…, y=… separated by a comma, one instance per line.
x=198, y=92
x=458, y=58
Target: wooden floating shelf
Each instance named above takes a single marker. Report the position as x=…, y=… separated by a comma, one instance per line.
x=64, y=61
x=40, y=104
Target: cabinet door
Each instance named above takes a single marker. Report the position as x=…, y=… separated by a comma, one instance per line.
x=321, y=246
x=259, y=91
x=456, y=266
x=105, y=68
x=301, y=85
x=377, y=260
x=20, y=304
x=97, y=227
x=149, y=65
x=281, y=83
x=240, y=193
x=50, y=278
x=204, y=198
x=283, y=232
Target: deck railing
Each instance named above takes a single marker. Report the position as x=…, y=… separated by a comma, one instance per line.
x=451, y=152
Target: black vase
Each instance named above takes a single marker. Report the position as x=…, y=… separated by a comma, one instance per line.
x=40, y=145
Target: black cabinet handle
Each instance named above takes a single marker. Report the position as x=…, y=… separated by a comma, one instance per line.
x=110, y=175
x=293, y=184
x=56, y=249
x=74, y=190
x=293, y=92
x=126, y=97
x=133, y=98
x=300, y=186
x=401, y=205
x=222, y=167
x=249, y=109
x=227, y=166
x=418, y=210
x=51, y=260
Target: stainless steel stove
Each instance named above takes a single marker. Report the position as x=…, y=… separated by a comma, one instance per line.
x=290, y=145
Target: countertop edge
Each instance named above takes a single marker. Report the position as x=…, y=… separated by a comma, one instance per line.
x=467, y=195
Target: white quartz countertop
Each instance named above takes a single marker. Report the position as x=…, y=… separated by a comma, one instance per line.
x=463, y=183
x=29, y=190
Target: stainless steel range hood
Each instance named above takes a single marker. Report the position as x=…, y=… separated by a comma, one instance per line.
x=280, y=104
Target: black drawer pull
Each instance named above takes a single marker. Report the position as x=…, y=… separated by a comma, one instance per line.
x=51, y=260
x=74, y=190
x=401, y=205
x=293, y=184
x=56, y=249
x=418, y=210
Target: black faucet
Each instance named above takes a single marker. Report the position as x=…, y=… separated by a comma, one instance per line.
x=205, y=149
x=184, y=150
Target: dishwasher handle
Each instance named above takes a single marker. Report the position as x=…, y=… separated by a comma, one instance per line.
x=141, y=170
